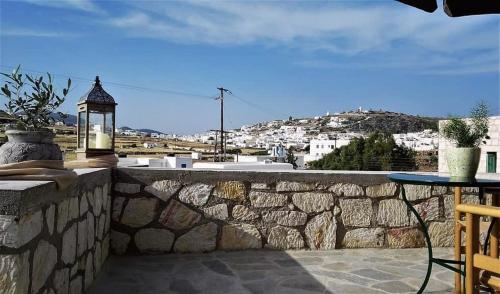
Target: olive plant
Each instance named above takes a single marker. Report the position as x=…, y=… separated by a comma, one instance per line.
x=468, y=133
x=31, y=99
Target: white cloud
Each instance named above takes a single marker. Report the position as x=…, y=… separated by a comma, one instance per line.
x=389, y=33
x=84, y=5
x=23, y=32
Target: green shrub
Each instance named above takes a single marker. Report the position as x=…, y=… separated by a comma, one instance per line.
x=468, y=134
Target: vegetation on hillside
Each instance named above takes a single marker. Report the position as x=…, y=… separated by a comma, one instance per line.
x=375, y=153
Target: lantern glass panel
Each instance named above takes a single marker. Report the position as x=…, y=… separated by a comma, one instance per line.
x=81, y=129
x=100, y=130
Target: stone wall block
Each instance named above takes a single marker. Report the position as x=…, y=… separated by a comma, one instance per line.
x=428, y=211
x=100, y=227
x=62, y=215
x=218, y=211
x=392, y=213
x=285, y=238
x=202, y=238
x=50, y=218
x=243, y=213
x=98, y=199
x=139, y=212
x=15, y=233
x=439, y=190
x=313, y=202
x=343, y=189
x=405, y=238
x=417, y=192
x=89, y=271
x=321, y=231
x=84, y=204
x=196, y=194
x=15, y=272
x=117, y=208
x=75, y=285
x=61, y=280
x=164, y=189
x=232, y=190
x=259, y=186
x=442, y=233
x=69, y=241
x=177, y=216
x=105, y=248
x=97, y=257
x=82, y=237
x=44, y=261
x=73, y=208
x=90, y=230
x=356, y=212
x=154, y=240
x=364, y=238
x=119, y=242
x=383, y=190
x=127, y=188
x=240, y=237
x=266, y=199
x=285, y=186
x=285, y=218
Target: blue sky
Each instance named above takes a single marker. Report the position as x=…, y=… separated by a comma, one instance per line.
x=299, y=58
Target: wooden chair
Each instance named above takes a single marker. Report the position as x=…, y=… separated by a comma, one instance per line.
x=475, y=262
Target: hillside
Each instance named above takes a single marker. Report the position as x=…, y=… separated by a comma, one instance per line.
x=355, y=122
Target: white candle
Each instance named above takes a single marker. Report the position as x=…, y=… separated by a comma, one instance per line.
x=102, y=141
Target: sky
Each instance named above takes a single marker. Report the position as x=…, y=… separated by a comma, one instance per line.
x=162, y=61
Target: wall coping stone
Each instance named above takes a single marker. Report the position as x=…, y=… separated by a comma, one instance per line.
x=20, y=197
x=148, y=175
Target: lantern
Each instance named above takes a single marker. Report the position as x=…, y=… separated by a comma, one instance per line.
x=96, y=123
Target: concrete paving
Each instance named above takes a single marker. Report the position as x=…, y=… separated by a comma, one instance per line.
x=339, y=271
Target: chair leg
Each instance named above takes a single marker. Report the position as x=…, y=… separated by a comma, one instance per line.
x=458, y=240
x=495, y=233
x=471, y=248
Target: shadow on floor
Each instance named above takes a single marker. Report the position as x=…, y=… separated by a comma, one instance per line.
x=362, y=271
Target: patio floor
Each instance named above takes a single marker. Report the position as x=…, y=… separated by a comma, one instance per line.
x=340, y=271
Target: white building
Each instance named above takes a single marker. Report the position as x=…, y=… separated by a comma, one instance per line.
x=321, y=147
x=490, y=151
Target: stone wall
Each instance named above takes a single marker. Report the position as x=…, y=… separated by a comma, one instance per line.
x=160, y=211
x=54, y=241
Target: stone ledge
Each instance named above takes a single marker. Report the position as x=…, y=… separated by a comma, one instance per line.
x=20, y=197
x=147, y=176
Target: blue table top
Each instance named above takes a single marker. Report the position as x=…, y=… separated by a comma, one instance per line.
x=416, y=179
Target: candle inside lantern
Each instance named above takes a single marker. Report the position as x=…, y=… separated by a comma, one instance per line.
x=102, y=141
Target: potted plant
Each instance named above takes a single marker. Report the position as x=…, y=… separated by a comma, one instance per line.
x=467, y=134
x=33, y=101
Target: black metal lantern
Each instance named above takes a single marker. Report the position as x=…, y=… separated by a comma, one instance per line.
x=96, y=123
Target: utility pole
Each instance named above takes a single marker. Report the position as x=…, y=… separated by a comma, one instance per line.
x=221, y=98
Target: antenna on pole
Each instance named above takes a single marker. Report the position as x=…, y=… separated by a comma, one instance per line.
x=222, y=154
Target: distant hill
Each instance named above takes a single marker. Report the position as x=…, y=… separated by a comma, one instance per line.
x=149, y=131
x=70, y=120
x=364, y=122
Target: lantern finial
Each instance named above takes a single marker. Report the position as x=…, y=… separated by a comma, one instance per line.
x=97, y=81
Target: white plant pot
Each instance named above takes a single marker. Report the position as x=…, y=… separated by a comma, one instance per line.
x=463, y=163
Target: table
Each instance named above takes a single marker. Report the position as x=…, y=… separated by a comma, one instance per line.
x=432, y=180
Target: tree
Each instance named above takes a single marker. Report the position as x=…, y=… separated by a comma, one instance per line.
x=290, y=157
x=377, y=152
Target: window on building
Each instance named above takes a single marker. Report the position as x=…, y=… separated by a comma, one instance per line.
x=491, y=162
x=183, y=165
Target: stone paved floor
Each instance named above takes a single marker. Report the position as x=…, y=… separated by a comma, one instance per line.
x=341, y=271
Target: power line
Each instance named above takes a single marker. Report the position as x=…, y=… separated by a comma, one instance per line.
x=122, y=85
